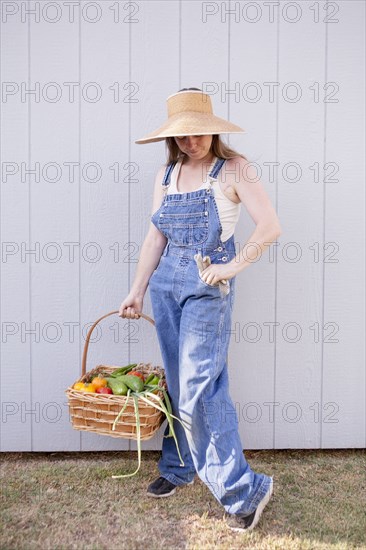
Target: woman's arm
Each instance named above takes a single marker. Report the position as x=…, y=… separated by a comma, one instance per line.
x=150, y=254
x=242, y=177
x=255, y=199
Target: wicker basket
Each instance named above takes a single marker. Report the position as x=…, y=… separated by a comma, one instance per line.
x=95, y=412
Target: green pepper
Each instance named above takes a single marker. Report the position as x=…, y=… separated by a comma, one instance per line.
x=133, y=382
x=149, y=378
x=123, y=370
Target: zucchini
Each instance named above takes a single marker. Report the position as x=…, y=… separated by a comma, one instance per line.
x=117, y=386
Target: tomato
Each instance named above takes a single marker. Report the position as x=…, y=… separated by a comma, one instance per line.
x=99, y=382
x=139, y=374
x=104, y=390
x=78, y=386
x=89, y=387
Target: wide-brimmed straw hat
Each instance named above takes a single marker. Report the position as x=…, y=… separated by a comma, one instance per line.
x=190, y=113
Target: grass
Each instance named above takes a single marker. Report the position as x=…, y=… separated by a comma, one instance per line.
x=69, y=501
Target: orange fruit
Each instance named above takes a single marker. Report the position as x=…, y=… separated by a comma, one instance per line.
x=99, y=382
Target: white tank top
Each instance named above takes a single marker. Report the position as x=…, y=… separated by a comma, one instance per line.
x=229, y=211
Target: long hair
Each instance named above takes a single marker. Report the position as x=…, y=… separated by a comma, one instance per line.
x=218, y=147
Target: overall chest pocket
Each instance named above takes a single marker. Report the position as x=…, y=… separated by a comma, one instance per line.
x=185, y=226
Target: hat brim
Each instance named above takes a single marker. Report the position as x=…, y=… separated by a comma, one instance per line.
x=190, y=123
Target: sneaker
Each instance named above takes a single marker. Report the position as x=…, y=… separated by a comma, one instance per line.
x=238, y=523
x=161, y=487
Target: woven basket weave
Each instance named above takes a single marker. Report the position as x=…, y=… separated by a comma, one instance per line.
x=95, y=412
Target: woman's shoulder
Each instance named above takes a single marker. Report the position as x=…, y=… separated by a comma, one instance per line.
x=241, y=168
x=162, y=169
x=238, y=160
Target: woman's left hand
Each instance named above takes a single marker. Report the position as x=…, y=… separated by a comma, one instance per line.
x=215, y=273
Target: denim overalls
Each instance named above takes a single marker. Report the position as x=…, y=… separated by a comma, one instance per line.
x=193, y=324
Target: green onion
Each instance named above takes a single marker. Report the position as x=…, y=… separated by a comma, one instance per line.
x=169, y=417
x=146, y=396
x=138, y=432
x=122, y=410
x=169, y=407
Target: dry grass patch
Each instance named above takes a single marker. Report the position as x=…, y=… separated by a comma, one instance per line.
x=62, y=501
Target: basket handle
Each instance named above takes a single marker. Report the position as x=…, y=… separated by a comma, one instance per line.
x=86, y=345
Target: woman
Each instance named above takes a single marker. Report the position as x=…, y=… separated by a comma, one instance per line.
x=188, y=260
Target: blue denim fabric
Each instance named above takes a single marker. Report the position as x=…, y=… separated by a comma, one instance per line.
x=193, y=323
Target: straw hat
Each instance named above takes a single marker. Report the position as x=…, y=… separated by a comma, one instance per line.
x=190, y=113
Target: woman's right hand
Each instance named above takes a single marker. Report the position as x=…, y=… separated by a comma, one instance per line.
x=130, y=306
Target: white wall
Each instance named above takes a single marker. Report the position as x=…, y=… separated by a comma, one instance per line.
x=302, y=386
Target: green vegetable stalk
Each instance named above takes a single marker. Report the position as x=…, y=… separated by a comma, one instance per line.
x=150, y=399
x=123, y=370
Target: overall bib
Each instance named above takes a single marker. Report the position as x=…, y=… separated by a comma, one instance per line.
x=193, y=324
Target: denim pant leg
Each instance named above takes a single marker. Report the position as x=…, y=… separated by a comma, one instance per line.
x=205, y=403
x=167, y=315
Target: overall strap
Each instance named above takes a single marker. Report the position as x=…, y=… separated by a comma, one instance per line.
x=166, y=180
x=214, y=173
x=216, y=169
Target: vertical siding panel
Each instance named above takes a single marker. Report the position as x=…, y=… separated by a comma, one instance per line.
x=343, y=411
x=252, y=344
x=204, y=53
x=155, y=68
x=15, y=304
x=54, y=219
x=300, y=207
x=103, y=206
